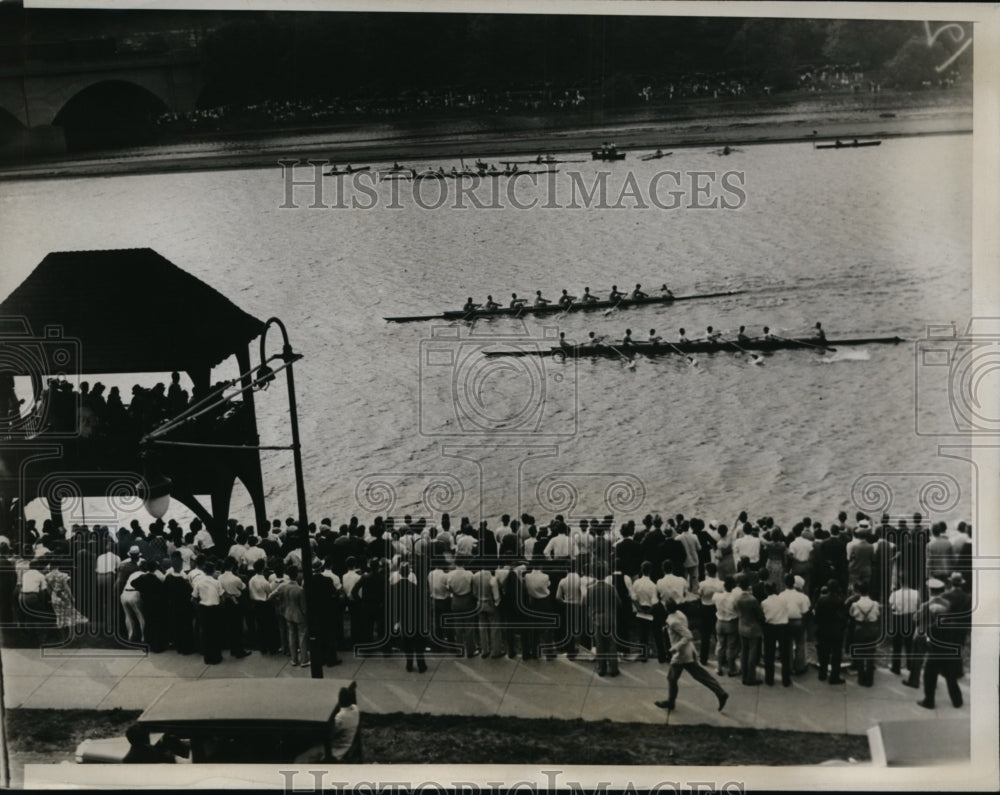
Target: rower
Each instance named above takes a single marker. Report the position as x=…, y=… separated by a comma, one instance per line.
x=726, y=150
x=627, y=341
x=515, y=302
x=587, y=298
x=683, y=338
x=490, y=304
x=653, y=338
x=470, y=305
x=615, y=295
x=767, y=333
x=659, y=153
x=539, y=301
x=593, y=339
x=819, y=333
x=562, y=340
x=396, y=166
x=566, y=300
x=667, y=292
x=712, y=336
x=741, y=337
x=454, y=171
x=638, y=294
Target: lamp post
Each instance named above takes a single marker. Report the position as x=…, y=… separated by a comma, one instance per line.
x=265, y=374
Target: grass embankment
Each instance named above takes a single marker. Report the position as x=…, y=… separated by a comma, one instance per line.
x=48, y=736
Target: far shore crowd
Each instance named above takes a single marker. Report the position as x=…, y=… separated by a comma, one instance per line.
x=741, y=597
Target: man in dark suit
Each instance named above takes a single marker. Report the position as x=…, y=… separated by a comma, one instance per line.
x=409, y=618
x=751, y=629
x=321, y=594
x=628, y=554
x=601, y=604
x=831, y=622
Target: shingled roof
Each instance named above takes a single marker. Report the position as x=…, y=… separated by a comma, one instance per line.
x=132, y=310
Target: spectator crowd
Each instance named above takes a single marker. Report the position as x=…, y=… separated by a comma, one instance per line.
x=689, y=592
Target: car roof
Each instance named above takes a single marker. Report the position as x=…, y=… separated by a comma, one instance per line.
x=245, y=701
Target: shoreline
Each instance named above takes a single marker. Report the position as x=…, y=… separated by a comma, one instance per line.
x=442, y=145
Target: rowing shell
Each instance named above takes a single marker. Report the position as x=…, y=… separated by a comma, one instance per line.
x=555, y=309
x=852, y=145
x=657, y=348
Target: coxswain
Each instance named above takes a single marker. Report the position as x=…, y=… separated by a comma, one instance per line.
x=628, y=337
x=638, y=294
x=741, y=337
x=726, y=150
x=470, y=305
x=819, y=333
x=490, y=304
x=767, y=333
x=659, y=153
x=653, y=338
x=587, y=298
x=667, y=292
x=615, y=295
x=683, y=338
x=566, y=300
x=515, y=302
x=539, y=301
x=712, y=336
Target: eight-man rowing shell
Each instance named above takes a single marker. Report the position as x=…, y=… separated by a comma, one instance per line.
x=555, y=309
x=655, y=349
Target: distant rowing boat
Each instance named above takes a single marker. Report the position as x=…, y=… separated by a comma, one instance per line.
x=656, y=155
x=852, y=145
x=701, y=346
x=555, y=309
x=337, y=172
x=607, y=154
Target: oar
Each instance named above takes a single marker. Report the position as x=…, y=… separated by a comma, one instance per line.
x=611, y=309
x=757, y=358
x=809, y=344
x=691, y=360
x=629, y=361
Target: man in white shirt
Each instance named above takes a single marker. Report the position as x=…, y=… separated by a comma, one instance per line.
x=537, y=589
x=106, y=568
x=208, y=595
x=672, y=586
x=560, y=546
x=727, y=630
x=437, y=583
x=203, y=541
x=775, y=610
x=262, y=611
x=131, y=601
x=569, y=597
x=649, y=613
x=707, y=589
x=463, y=605
x=487, y=595
x=748, y=546
x=800, y=552
x=901, y=624
x=798, y=605
x=253, y=553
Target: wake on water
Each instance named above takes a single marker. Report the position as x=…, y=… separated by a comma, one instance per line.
x=847, y=356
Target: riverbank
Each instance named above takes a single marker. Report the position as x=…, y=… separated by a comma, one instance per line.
x=446, y=142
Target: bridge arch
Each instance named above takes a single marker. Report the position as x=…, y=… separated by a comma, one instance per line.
x=110, y=113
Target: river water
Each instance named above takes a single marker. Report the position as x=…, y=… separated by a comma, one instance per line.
x=413, y=419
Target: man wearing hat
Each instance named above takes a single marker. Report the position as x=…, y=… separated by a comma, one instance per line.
x=935, y=588
x=945, y=639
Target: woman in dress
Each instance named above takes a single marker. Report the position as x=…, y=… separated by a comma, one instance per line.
x=63, y=605
x=776, y=550
x=724, y=550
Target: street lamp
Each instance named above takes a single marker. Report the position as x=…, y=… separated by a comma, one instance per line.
x=265, y=375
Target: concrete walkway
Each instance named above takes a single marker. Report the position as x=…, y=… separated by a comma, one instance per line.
x=562, y=688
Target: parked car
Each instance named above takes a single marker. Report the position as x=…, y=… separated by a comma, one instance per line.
x=260, y=721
